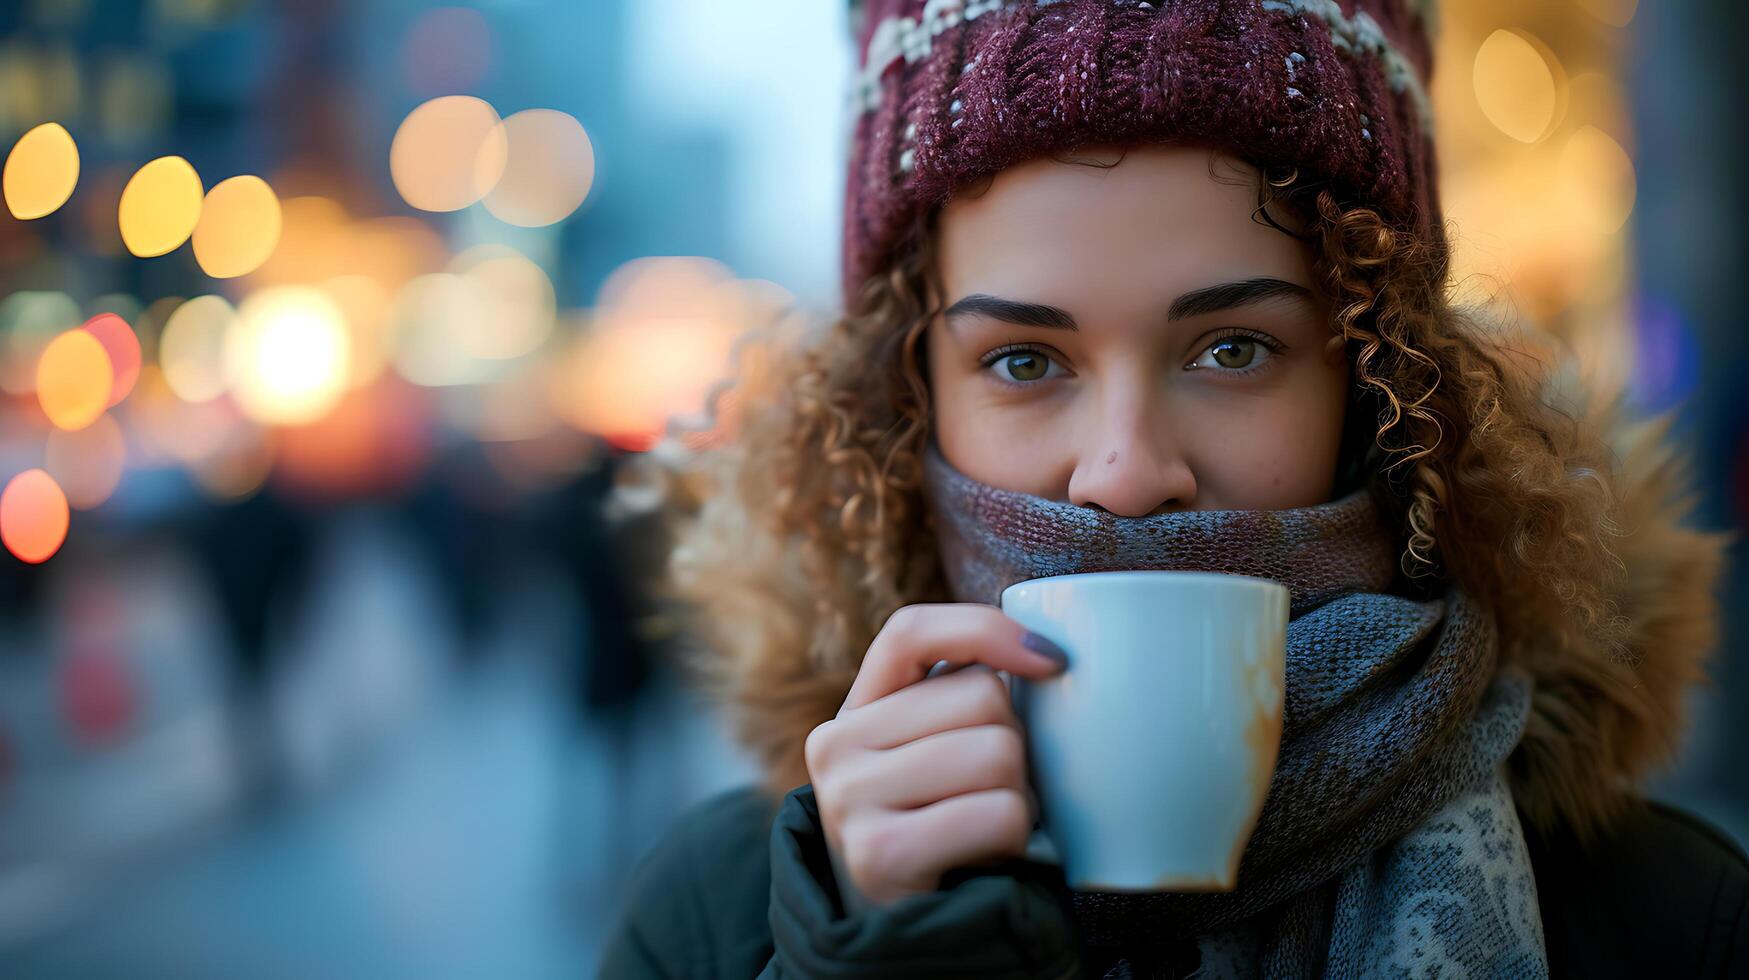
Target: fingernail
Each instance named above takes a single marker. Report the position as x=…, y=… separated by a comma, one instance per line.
x=1045, y=648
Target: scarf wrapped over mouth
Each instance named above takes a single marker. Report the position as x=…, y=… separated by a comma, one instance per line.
x=1396, y=720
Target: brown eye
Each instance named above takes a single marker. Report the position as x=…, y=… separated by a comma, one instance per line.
x=1235, y=353
x=1025, y=366
x=1239, y=354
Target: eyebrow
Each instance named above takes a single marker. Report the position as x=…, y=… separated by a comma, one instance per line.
x=1197, y=302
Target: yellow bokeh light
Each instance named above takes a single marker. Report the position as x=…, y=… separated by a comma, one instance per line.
x=1516, y=85
x=239, y=227
x=286, y=356
x=74, y=379
x=1597, y=180
x=88, y=464
x=33, y=516
x=160, y=207
x=191, y=348
x=550, y=168
x=448, y=153
x=41, y=172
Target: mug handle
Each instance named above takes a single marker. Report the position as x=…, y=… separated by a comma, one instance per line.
x=1040, y=849
x=1039, y=846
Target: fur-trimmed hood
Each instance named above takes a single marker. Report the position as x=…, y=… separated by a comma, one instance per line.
x=1600, y=723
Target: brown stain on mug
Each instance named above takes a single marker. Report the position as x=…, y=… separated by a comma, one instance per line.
x=1262, y=735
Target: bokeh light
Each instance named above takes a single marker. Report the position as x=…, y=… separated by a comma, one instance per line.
x=1597, y=180
x=33, y=516
x=1516, y=85
x=448, y=153
x=285, y=358
x=160, y=207
x=521, y=299
x=447, y=50
x=663, y=335
x=123, y=348
x=41, y=172
x=191, y=348
x=434, y=319
x=74, y=379
x=88, y=464
x=550, y=168
x=239, y=227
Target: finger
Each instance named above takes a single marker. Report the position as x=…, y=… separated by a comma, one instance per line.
x=932, y=769
x=969, y=696
x=915, y=637
x=969, y=829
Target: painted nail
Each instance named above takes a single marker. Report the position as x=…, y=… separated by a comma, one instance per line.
x=1045, y=648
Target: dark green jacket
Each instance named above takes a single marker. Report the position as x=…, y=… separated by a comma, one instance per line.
x=739, y=889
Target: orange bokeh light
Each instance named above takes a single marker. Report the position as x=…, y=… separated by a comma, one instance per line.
x=33, y=517
x=74, y=379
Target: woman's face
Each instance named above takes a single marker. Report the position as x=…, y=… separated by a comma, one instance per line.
x=1130, y=339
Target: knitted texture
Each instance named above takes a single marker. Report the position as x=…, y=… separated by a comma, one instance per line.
x=952, y=90
x=1395, y=713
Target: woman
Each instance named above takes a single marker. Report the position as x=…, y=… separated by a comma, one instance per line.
x=1115, y=271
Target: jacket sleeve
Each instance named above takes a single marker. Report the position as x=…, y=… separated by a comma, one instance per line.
x=1006, y=920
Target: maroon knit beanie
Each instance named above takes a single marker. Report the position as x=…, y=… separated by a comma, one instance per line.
x=952, y=90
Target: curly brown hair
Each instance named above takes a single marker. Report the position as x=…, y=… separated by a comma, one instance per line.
x=796, y=538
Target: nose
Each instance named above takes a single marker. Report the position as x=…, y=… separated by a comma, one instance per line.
x=1133, y=466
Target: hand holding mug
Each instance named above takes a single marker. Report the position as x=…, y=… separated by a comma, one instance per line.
x=921, y=774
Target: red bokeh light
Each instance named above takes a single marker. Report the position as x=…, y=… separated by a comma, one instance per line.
x=123, y=348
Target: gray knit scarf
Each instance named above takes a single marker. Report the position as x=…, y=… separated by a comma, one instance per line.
x=1388, y=842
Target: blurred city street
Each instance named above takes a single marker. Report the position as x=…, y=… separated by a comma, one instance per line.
x=432, y=820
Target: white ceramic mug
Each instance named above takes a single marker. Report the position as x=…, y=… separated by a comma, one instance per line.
x=1151, y=755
